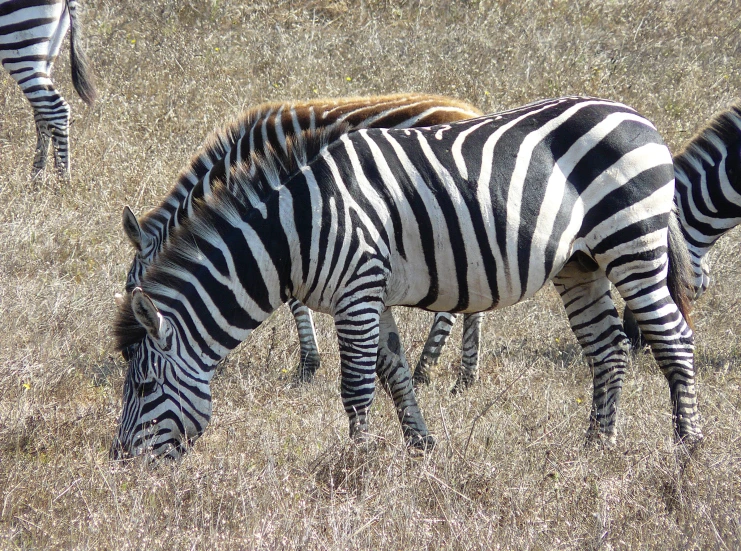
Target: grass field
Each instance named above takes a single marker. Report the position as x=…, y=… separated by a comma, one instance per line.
x=276, y=469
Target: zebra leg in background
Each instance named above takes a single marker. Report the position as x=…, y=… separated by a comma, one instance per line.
x=442, y=325
x=585, y=292
x=470, y=346
x=309, y=362
x=395, y=376
x=51, y=114
x=630, y=326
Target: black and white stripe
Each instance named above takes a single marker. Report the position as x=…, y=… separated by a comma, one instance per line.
x=31, y=35
x=708, y=194
x=465, y=217
x=708, y=188
x=707, y=171
x=271, y=128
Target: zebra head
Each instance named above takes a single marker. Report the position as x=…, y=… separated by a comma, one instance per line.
x=144, y=244
x=166, y=402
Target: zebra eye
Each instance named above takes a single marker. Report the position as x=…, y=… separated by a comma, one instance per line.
x=146, y=388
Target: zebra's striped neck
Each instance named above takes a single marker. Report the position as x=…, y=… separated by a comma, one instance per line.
x=227, y=249
x=708, y=185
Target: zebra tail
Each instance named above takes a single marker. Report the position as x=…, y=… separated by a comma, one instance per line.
x=679, y=279
x=82, y=77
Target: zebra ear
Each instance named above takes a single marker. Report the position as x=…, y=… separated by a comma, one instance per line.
x=133, y=230
x=147, y=314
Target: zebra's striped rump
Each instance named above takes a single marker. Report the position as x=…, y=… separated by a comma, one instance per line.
x=466, y=216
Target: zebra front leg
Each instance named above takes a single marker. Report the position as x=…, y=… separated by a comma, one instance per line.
x=395, y=376
x=585, y=293
x=470, y=346
x=442, y=325
x=309, y=362
x=357, y=327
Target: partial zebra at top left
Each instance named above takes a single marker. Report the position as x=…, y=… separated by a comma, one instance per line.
x=31, y=35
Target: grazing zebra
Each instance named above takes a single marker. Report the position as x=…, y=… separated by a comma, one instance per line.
x=273, y=126
x=708, y=194
x=466, y=216
x=31, y=34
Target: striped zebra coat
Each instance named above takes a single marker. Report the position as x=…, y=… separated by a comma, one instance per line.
x=708, y=194
x=31, y=35
x=707, y=171
x=467, y=217
x=271, y=127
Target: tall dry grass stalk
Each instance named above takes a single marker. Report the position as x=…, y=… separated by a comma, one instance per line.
x=276, y=469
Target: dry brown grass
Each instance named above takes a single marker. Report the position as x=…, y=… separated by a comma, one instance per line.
x=276, y=469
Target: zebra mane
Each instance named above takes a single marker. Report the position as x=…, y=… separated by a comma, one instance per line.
x=252, y=184
x=722, y=130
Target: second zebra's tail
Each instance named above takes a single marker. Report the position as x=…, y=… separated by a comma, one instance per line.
x=679, y=282
x=82, y=77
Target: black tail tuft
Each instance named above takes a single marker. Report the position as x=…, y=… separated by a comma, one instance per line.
x=82, y=77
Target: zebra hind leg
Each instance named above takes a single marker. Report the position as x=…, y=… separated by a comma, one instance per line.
x=43, y=139
x=395, y=376
x=51, y=114
x=309, y=362
x=442, y=325
x=672, y=345
x=585, y=293
x=60, y=146
x=470, y=346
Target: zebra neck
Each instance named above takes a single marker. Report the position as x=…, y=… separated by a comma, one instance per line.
x=707, y=203
x=220, y=280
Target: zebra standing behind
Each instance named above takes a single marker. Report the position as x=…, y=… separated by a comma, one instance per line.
x=271, y=127
x=467, y=216
x=31, y=34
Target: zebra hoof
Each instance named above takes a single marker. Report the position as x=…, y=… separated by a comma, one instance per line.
x=420, y=378
x=690, y=441
x=462, y=384
x=598, y=440
x=422, y=443
x=306, y=370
